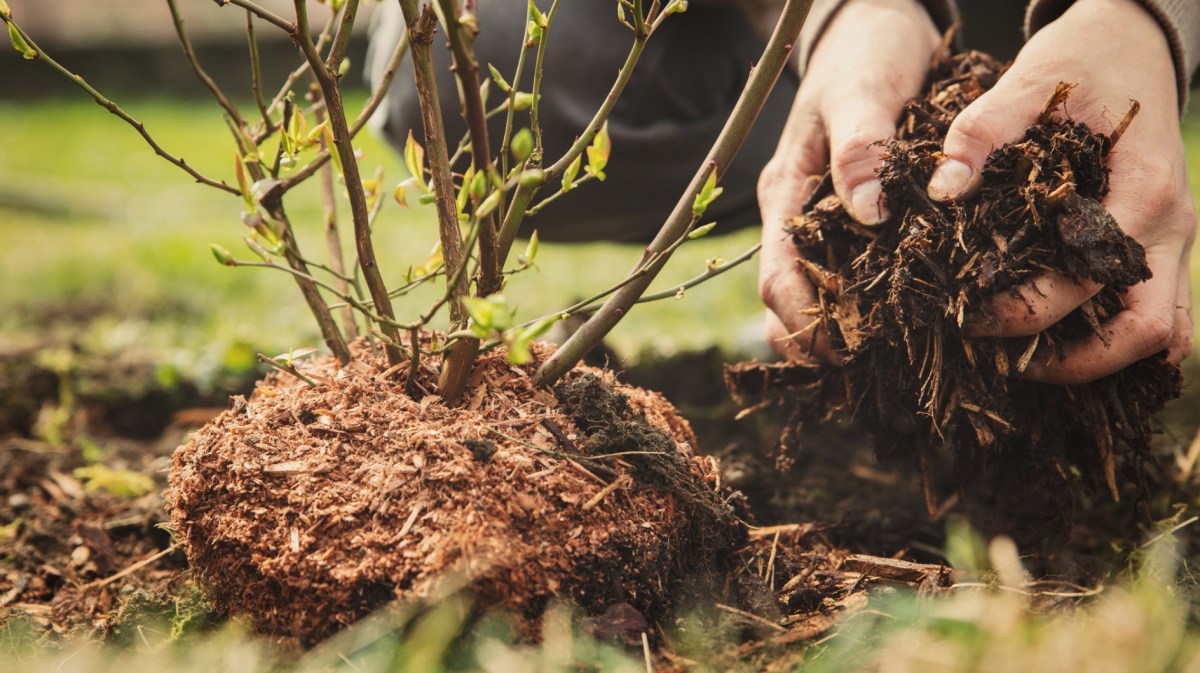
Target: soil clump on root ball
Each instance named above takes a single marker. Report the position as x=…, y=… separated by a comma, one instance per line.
x=895, y=300
x=307, y=507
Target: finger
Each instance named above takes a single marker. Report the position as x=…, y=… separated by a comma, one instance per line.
x=856, y=125
x=792, y=330
x=1032, y=306
x=997, y=117
x=1181, y=344
x=1145, y=327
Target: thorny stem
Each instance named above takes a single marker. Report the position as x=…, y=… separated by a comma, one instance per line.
x=466, y=68
x=327, y=79
x=737, y=127
x=421, y=25
x=116, y=110
x=190, y=53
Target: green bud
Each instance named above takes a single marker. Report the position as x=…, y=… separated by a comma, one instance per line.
x=536, y=15
x=522, y=101
x=569, y=175
x=522, y=144
x=344, y=67
x=535, y=35
x=491, y=203
x=700, y=232
x=479, y=185
x=675, y=7
x=222, y=255
x=20, y=44
x=531, y=251
x=5, y=12
x=531, y=178
x=499, y=79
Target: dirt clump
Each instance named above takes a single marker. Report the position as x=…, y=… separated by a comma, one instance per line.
x=307, y=507
x=897, y=301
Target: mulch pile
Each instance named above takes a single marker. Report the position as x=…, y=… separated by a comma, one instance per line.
x=306, y=508
x=893, y=299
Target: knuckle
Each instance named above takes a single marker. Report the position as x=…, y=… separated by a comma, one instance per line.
x=970, y=133
x=1156, y=333
x=856, y=152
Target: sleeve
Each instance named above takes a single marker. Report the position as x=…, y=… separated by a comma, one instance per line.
x=943, y=12
x=1180, y=20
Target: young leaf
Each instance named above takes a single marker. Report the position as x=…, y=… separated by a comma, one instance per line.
x=488, y=205
x=700, y=232
x=531, y=250
x=414, y=159
x=536, y=15
x=597, y=154
x=5, y=12
x=568, y=179
x=333, y=153
x=499, y=79
x=708, y=193
x=518, y=347
x=479, y=184
x=20, y=44
x=675, y=7
x=239, y=170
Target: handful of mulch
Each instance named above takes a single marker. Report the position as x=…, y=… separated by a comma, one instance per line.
x=893, y=299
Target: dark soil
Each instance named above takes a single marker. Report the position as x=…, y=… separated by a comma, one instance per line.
x=893, y=299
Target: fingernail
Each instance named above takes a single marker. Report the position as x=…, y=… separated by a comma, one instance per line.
x=950, y=180
x=866, y=203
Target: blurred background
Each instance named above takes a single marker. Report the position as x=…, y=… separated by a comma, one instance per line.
x=106, y=246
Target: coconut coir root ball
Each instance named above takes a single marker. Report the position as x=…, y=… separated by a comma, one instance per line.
x=895, y=299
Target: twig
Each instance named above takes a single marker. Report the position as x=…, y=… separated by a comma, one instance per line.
x=751, y=616
x=646, y=652
x=256, y=71
x=456, y=366
x=343, y=141
x=333, y=239
x=707, y=275
x=115, y=109
x=466, y=68
x=614, y=485
x=190, y=53
x=129, y=570
x=289, y=369
x=266, y=15
x=737, y=127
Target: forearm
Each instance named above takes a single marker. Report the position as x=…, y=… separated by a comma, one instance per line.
x=1179, y=19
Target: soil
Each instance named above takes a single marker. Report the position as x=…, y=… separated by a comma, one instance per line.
x=306, y=508
x=894, y=300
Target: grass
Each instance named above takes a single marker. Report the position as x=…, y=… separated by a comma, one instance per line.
x=98, y=225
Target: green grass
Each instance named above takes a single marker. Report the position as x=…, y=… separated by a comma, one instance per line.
x=93, y=219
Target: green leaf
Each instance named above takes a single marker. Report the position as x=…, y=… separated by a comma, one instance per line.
x=518, y=347
x=568, y=180
x=535, y=34
x=542, y=326
x=499, y=79
x=414, y=160
x=118, y=483
x=239, y=170
x=675, y=7
x=708, y=193
x=333, y=152
x=479, y=184
x=491, y=203
x=488, y=314
x=536, y=15
x=20, y=44
x=222, y=255
x=700, y=232
x=598, y=153
x=521, y=144
x=531, y=250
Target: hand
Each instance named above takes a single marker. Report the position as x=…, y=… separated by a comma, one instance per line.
x=1114, y=51
x=871, y=59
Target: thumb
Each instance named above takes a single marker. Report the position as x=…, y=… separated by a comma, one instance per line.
x=997, y=117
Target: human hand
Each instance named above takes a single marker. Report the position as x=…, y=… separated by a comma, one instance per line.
x=1114, y=51
x=871, y=59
